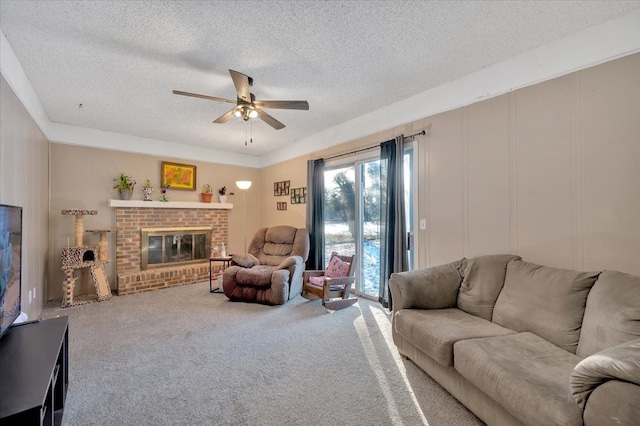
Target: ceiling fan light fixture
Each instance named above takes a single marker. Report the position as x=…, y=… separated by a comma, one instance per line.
x=246, y=106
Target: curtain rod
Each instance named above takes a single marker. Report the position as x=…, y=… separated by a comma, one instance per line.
x=422, y=132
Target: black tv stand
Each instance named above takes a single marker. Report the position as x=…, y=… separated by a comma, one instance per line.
x=34, y=366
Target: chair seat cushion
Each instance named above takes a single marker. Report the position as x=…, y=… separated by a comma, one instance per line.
x=434, y=331
x=318, y=282
x=525, y=374
x=257, y=276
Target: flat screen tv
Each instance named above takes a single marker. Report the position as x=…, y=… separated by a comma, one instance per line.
x=10, y=264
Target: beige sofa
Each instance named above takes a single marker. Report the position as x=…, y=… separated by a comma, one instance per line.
x=519, y=343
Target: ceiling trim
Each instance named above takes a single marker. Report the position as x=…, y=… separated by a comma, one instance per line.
x=600, y=43
x=12, y=71
x=94, y=138
x=17, y=79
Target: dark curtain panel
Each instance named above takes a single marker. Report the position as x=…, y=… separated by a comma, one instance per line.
x=315, y=213
x=393, y=238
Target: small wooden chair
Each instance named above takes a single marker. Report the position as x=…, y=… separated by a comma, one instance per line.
x=327, y=287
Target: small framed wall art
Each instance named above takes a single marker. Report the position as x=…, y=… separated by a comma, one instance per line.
x=178, y=176
x=281, y=188
x=299, y=195
x=281, y=205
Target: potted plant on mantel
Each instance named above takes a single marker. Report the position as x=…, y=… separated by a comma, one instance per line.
x=124, y=185
x=223, y=194
x=207, y=193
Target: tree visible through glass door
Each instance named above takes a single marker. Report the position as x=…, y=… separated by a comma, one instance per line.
x=352, y=220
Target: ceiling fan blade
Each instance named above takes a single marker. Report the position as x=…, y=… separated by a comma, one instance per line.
x=195, y=95
x=282, y=104
x=225, y=117
x=242, y=83
x=270, y=120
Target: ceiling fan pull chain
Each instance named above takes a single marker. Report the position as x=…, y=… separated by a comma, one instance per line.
x=245, y=136
x=251, y=140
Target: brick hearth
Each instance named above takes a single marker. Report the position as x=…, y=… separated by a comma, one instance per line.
x=129, y=221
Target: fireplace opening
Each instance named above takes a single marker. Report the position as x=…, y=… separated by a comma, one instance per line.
x=174, y=246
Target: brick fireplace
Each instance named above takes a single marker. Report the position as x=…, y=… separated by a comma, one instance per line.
x=132, y=216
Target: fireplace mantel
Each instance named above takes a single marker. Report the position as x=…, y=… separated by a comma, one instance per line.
x=169, y=204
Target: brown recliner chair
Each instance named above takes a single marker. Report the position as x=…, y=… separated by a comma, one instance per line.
x=271, y=273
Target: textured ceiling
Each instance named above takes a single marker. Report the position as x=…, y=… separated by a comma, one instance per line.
x=121, y=60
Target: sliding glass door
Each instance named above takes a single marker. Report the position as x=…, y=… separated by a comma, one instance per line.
x=352, y=220
x=352, y=215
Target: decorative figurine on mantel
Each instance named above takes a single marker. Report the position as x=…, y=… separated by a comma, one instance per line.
x=85, y=256
x=147, y=189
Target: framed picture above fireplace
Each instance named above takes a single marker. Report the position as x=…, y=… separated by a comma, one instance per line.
x=178, y=176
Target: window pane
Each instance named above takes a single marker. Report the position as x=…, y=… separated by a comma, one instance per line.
x=200, y=241
x=170, y=248
x=186, y=248
x=370, y=266
x=339, y=212
x=155, y=250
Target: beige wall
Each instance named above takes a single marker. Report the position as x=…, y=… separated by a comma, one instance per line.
x=83, y=178
x=24, y=181
x=550, y=172
x=294, y=171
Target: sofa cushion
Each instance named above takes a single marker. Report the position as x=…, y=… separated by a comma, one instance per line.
x=431, y=288
x=546, y=301
x=259, y=275
x=435, y=331
x=525, y=374
x=483, y=278
x=271, y=245
x=612, y=316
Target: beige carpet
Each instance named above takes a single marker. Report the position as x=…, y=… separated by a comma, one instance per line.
x=184, y=356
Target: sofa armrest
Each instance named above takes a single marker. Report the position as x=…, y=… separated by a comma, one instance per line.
x=613, y=403
x=621, y=362
x=290, y=261
x=244, y=260
x=432, y=288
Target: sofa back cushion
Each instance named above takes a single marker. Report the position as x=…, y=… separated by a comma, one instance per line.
x=431, y=288
x=272, y=245
x=546, y=301
x=483, y=278
x=612, y=316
